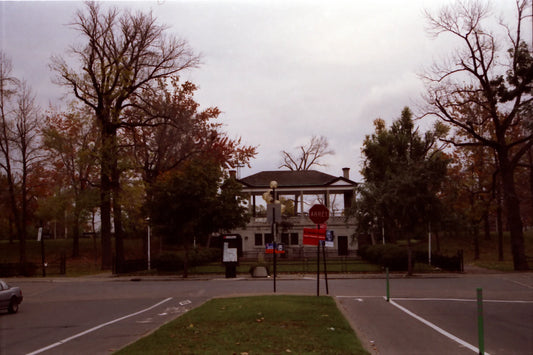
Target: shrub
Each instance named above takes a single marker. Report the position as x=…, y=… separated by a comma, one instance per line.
x=203, y=256
x=386, y=255
x=174, y=261
x=17, y=269
x=130, y=266
x=169, y=262
x=449, y=263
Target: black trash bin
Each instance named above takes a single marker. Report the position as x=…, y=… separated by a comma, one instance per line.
x=231, y=270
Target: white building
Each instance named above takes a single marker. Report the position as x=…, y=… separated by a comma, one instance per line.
x=298, y=191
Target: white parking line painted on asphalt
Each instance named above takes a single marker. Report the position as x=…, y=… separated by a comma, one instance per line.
x=433, y=326
x=459, y=300
x=517, y=282
x=96, y=328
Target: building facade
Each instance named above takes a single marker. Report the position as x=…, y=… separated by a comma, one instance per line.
x=297, y=192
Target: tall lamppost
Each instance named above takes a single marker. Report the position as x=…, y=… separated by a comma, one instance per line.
x=273, y=186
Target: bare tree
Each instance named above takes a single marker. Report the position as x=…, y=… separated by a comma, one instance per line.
x=8, y=85
x=123, y=53
x=28, y=144
x=308, y=155
x=19, y=145
x=485, y=93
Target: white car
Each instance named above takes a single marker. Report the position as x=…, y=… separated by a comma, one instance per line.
x=10, y=297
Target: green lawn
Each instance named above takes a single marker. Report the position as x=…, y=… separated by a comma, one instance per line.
x=255, y=325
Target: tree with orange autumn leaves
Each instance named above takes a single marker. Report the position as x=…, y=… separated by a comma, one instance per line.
x=166, y=128
x=71, y=141
x=172, y=141
x=468, y=191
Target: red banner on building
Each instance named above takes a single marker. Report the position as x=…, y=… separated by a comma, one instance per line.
x=312, y=236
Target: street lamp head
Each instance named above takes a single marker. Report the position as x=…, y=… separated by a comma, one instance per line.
x=273, y=184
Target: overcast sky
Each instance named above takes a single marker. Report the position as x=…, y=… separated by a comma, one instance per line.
x=280, y=71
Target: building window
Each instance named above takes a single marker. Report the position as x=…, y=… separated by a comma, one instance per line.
x=285, y=238
x=294, y=239
x=268, y=238
x=258, y=239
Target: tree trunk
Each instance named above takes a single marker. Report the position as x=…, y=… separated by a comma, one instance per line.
x=76, y=232
x=409, y=258
x=24, y=212
x=117, y=206
x=14, y=208
x=486, y=224
x=186, y=259
x=499, y=221
x=117, y=218
x=11, y=232
x=512, y=205
x=105, y=199
x=475, y=235
x=530, y=158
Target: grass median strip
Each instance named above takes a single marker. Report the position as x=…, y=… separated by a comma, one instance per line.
x=255, y=325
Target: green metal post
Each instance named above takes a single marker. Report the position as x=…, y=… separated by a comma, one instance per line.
x=480, y=330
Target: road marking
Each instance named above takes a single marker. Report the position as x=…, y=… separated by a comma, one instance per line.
x=172, y=310
x=433, y=326
x=359, y=297
x=147, y=320
x=460, y=300
x=96, y=328
x=516, y=282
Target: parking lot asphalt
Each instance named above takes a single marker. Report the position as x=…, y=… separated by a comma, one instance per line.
x=426, y=313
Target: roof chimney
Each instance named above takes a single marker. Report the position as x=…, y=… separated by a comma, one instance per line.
x=233, y=174
x=346, y=173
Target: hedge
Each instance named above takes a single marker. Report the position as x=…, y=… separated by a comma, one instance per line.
x=17, y=269
x=174, y=261
x=395, y=258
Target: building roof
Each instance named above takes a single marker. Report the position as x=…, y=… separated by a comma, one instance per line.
x=292, y=179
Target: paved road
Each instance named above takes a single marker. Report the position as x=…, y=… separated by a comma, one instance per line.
x=100, y=315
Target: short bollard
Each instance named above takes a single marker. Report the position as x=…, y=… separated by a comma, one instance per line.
x=480, y=330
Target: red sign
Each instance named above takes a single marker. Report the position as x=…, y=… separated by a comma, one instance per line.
x=319, y=214
x=312, y=236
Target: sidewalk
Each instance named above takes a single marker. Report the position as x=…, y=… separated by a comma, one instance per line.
x=109, y=276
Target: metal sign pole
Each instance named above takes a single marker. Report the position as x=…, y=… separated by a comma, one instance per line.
x=318, y=264
x=325, y=268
